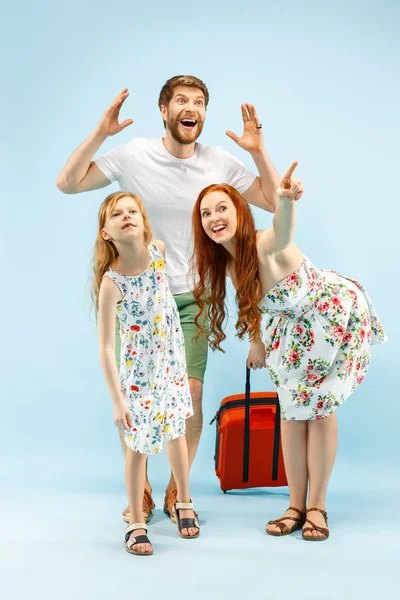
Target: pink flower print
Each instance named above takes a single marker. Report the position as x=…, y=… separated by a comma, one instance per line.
x=338, y=331
x=299, y=329
x=324, y=307
x=293, y=356
x=347, y=338
x=320, y=404
x=336, y=301
x=362, y=334
x=292, y=279
x=312, y=377
x=276, y=345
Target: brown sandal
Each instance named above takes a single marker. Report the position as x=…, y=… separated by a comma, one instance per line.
x=314, y=527
x=169, y=503
x=285, y=530
x=148, y=507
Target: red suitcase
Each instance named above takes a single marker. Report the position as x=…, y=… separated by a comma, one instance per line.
x=248, y=450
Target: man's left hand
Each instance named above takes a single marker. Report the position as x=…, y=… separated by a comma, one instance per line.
x=252, y=138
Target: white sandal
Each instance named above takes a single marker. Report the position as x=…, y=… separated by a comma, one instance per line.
x=188, y=523
x=131, y=541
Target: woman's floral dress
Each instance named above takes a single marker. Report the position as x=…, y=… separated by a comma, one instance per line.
x=153, y=374
x=320, y=329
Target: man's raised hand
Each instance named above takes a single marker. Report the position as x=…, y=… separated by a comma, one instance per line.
x=109, y=122
x=252, y=138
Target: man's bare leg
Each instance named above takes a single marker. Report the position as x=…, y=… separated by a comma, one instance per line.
x=194, y=426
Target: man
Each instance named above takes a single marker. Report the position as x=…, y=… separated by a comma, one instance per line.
x=168, y=175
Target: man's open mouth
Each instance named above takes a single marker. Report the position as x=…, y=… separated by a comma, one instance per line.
x=189, y=123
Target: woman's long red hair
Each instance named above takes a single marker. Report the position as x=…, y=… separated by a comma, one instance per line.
x=209, y=269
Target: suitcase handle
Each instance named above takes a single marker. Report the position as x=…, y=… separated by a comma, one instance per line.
x=246, y=443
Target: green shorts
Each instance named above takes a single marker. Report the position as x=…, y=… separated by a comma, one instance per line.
x=195, y=350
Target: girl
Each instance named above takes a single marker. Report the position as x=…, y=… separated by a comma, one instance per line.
x=151, y=397
x=319, y=333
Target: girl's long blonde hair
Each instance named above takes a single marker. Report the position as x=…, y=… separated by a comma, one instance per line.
x=105, y=253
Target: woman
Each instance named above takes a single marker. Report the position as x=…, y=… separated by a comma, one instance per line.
x=320, y=328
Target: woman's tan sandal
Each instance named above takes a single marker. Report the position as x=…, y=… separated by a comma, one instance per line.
x=188, y=523
x=131, y=541
x=314, y=527
x=298, y=523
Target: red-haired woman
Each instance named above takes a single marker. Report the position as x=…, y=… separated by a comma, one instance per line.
x=320, y=328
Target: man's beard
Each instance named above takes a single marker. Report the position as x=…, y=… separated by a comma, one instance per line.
x=184, y=137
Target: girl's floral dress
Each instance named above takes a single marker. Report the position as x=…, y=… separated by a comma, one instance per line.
x=320, y=328
x=153, y=374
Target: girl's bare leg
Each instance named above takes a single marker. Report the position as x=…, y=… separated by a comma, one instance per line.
x=179, y=461
x=121, y=433
x=135, y=468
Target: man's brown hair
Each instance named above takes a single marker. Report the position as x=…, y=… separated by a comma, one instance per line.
x=167, y=90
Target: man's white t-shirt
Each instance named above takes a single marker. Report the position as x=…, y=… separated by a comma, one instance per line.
x=169, y=188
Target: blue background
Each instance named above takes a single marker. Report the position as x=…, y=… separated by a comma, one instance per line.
x=324, y=79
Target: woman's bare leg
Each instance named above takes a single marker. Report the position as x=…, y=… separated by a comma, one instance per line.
x=294, y=446
x=321, y=454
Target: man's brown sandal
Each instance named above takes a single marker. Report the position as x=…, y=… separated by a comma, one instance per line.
x=298, y=523
x=187, y=523
x=314, y=527
x=169, y=504
x=148, y=507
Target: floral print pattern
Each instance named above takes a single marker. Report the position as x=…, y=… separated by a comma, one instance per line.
x=153, y=374
x=320, y=328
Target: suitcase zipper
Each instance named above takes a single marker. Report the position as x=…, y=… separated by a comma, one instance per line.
x=241, y=404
